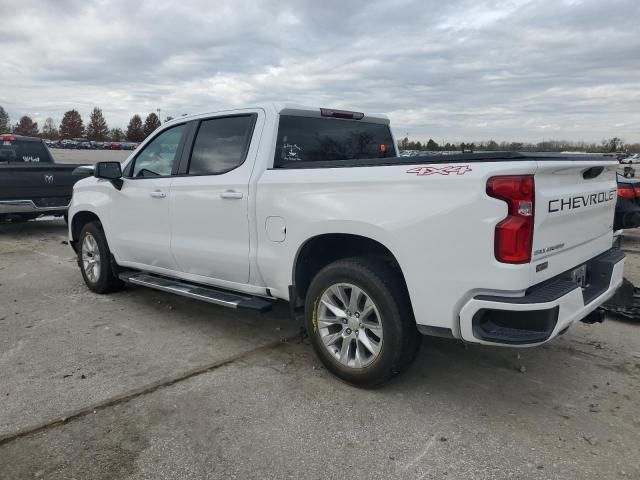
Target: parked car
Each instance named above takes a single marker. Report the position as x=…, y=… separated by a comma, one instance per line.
x=626, y=157
x=627, y=213
x=632, y=159
x=31, y=183
x=314, y=206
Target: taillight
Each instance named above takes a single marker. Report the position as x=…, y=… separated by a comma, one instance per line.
x=514, y=234
x=626, y=191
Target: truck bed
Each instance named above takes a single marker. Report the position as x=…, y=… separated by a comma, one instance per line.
x=47, y=185
x=471, y=157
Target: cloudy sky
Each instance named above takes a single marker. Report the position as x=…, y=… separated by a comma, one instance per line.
x=461, y=69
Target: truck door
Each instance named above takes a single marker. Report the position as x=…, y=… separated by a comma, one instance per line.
x=139, y=212
x=210, y=199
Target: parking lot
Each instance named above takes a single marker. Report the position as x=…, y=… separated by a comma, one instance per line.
x=62, y=155
x=142, y=384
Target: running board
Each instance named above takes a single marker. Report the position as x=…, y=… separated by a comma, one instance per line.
x=199, y=292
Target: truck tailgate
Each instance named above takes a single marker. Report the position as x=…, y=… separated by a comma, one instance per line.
x=575, y=203
x=31, y=182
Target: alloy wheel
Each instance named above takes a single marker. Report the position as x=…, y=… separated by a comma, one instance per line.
x=91, y=263
x=350, y=325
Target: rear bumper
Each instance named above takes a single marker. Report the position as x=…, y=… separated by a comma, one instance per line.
x=28, y=206
x=545, y=311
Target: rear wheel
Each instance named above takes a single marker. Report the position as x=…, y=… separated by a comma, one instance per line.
x=360, y=322
x=94, y=259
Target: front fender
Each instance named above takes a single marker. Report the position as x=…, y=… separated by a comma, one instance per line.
x=90, y=195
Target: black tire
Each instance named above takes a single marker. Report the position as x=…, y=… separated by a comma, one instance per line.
x=386, y=289
x=106, y=280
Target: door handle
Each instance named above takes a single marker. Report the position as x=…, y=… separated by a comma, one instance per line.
x=232, y=194
x=158, y=194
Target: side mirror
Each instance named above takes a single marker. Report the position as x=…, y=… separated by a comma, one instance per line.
x=109, y=171
x=83, y=171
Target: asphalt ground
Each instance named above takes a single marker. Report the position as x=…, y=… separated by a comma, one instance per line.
x=145, y=385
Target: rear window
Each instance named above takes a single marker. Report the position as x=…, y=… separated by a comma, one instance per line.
x=311, y=139
x=21, y=151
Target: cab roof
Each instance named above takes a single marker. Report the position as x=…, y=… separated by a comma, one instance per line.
x=288, y=109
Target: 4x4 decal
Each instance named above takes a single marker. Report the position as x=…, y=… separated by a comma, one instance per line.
x=450, y=169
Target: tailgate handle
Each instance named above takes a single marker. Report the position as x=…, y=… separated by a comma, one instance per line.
x=592, y=172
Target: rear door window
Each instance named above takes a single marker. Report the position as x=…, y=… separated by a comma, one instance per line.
x=21, y=151
x=310, y=139
x=221, y=145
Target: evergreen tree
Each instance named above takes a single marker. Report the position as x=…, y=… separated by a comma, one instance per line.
x=116, y=134
x=5, y=122
x=150, y=124
x=71, y=125
x=97, y=129
x=135, y=132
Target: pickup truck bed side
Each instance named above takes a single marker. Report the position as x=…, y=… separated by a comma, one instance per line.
x=425, y=222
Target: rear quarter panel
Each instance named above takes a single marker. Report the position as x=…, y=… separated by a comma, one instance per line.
x=438, y=223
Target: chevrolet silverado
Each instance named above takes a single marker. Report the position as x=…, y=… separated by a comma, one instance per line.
x=315, y=207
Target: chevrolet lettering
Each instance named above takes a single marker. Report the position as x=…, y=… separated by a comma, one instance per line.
x=579, y=201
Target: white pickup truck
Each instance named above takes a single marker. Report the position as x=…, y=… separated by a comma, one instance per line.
x=314, y=206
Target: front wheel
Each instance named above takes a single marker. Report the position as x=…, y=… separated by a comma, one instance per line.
x=359, y=320
x=94, y=260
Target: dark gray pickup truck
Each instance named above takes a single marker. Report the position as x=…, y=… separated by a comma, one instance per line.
x=31, y=183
